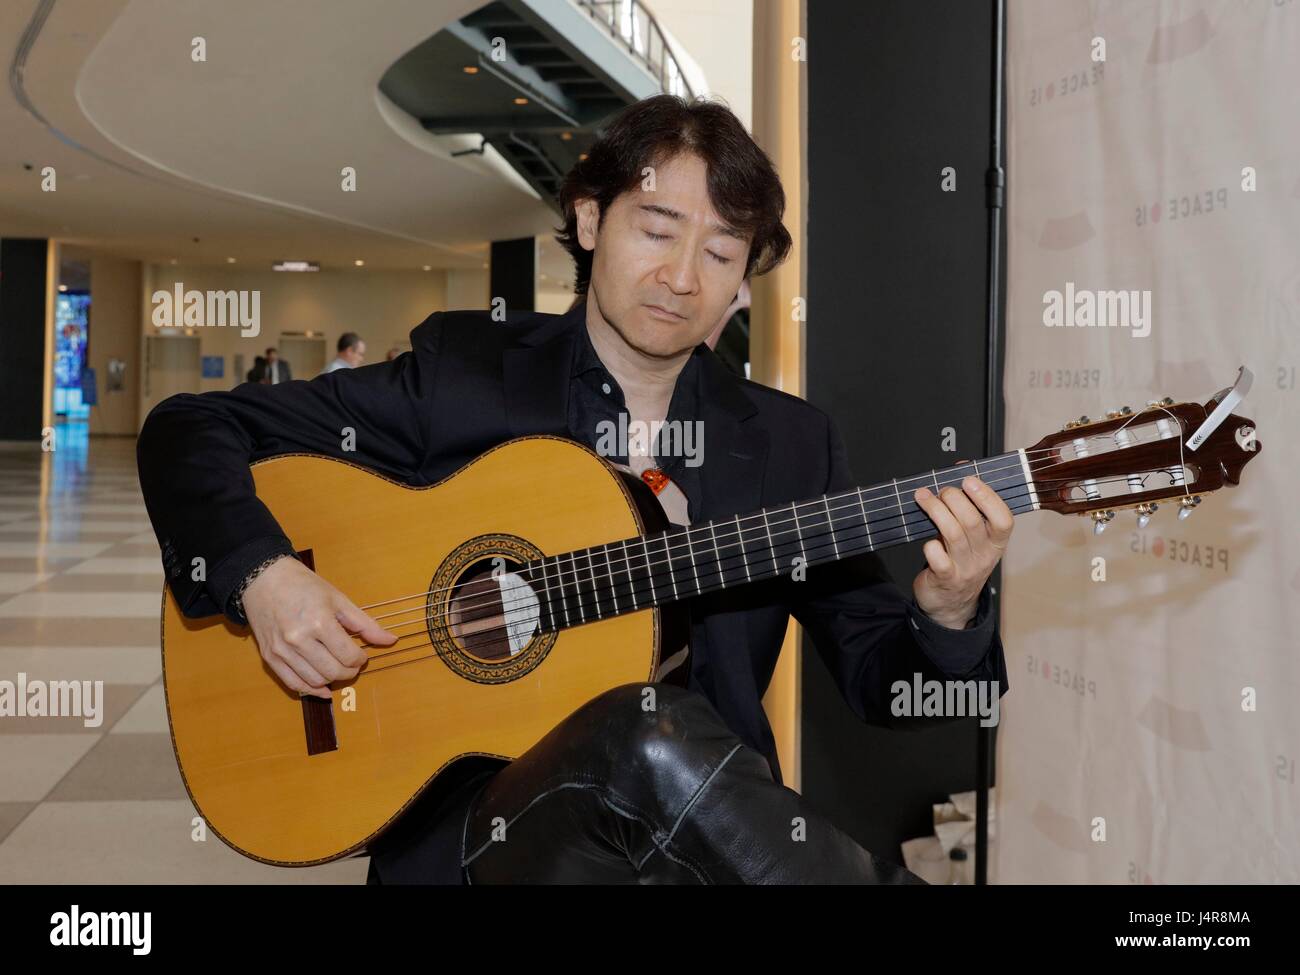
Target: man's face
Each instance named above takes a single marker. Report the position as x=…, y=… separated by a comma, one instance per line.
x=665, y=266
x=355, y=355
x=271, y=356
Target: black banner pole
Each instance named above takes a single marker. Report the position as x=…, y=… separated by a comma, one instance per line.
x=995, y=181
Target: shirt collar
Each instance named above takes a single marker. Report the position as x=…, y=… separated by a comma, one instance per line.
x=686, y=390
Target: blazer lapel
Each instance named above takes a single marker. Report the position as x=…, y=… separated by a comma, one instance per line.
x=537, y=378
x=735, y=450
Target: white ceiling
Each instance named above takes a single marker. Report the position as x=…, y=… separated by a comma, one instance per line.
x=243, y=151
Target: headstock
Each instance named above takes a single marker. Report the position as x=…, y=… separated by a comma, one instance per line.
x=1166, y=451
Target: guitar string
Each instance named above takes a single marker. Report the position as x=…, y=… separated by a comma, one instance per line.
x=576, y=578
x=686, y=530
x=634, y=589
x=843, y=531
x=577, y=581
x=1015, y=465
x=612, y=563
x=436, y=654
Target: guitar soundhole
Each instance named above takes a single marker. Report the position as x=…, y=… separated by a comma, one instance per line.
x=489, y=613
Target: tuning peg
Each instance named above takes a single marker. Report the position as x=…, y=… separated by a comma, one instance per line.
x=1071, y=424
x=1167, y=401
x=1100, y=519
x=1186, y=504
x=1144, y=513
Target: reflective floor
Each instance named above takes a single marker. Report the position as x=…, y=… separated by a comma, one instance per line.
x=80, y=593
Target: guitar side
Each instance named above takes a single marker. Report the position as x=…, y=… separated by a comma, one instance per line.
x=241, y=738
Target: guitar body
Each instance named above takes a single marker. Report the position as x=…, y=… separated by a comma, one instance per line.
x=299, y=781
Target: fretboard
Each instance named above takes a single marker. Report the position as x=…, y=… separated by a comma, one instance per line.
x=596, y=583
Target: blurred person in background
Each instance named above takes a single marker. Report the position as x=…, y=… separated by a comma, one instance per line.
x=352, y=353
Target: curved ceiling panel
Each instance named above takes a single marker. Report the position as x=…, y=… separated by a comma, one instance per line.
x=286, y=98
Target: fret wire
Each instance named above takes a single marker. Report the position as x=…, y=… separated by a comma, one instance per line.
x=564, y=602
x=595, y=592
x=902, y=514
x=582, y=616
x=627, y=570
x=690, y=550
x=771, y=546
x=645, y=550
x=830, y=523
x=714, y=536
x=866, y=522
x=798, y=532
x=740, y=540
x=609, y=571
x=668, y=562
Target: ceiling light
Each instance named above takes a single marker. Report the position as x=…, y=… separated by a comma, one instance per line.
x=295, y=266
x=470, y=69
x=230, y=260
x=63, y=287
x=428, y=267
x=359, y=263
x=521, y=100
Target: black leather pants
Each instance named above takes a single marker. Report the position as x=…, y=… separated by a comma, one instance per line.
x=646, y=784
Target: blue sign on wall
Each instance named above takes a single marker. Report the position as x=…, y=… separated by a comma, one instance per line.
x=214, y=367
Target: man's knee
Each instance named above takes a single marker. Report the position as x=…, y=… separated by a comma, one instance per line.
x=661, y=740
x=645, y=716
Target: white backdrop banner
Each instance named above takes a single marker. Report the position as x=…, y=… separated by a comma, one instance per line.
x=1152, y=729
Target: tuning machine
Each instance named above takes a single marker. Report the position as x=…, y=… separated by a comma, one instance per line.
x=1145, y=511
x=1100, y=519
x=1186, y=504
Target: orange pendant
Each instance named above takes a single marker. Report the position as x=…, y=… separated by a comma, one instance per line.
x=656, y=478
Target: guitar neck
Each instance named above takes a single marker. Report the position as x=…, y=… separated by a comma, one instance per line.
x=595, y=583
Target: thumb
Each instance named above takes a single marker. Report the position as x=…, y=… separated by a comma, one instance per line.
x=358, y=622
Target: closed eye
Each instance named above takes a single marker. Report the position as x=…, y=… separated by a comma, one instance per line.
x=655, y=236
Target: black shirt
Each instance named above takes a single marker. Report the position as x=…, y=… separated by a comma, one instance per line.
x=595, y=398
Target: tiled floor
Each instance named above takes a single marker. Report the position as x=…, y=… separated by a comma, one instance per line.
x=80, y=584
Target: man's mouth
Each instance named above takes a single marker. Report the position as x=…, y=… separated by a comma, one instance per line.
x=663, y=312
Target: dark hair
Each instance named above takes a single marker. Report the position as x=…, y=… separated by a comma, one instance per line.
x=347, y=340
x=272, y=349
x=743, y=186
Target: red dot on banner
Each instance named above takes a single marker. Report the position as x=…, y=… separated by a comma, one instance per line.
x=1047, y=671
x=1155, y=212
x=1158, y=547
x=1051, y=90
x=1047, y=377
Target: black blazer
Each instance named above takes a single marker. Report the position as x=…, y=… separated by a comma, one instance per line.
x=470, y=383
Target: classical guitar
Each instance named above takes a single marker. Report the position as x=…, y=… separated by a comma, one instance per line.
x=515, y=602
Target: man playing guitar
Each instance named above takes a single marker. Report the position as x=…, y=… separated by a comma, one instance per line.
x=669, y=213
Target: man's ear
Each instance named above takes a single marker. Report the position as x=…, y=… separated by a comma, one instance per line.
x=588, y=214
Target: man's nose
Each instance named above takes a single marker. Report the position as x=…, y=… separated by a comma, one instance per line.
x=679, y=273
